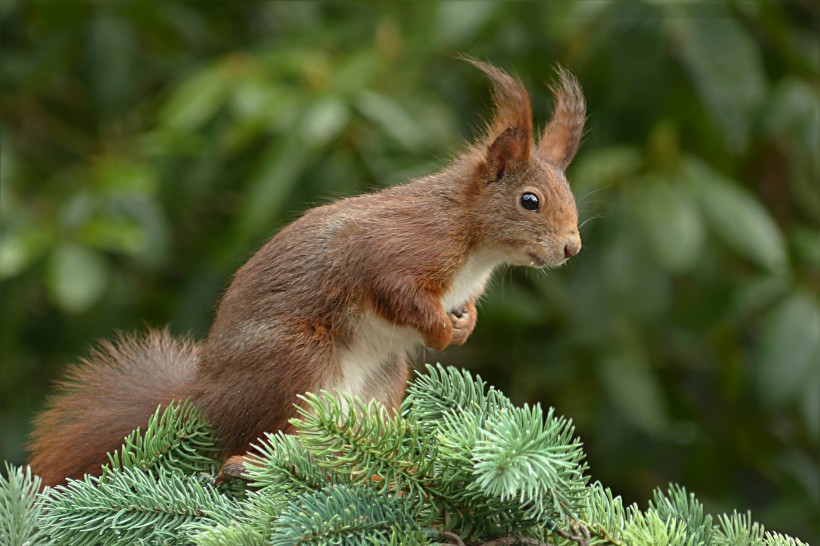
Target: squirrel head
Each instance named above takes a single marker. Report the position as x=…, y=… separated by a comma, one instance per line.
x=519, y=194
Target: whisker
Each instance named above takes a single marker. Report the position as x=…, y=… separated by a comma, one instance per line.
x=606, y=187
x=595, y=202
x=590, y=218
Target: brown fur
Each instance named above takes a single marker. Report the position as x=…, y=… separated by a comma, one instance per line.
x=562, y=136
x=110, y=393
x=337, y=298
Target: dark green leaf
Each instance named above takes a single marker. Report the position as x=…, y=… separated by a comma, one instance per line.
x=724, y=63
x=737, y=217
x=789, y=360
x=671, y=222
x=77, y=277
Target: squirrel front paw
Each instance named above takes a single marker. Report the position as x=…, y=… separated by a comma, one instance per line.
x=463, y=320
x=439, y=336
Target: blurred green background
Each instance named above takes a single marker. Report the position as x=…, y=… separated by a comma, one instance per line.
x=149, y=147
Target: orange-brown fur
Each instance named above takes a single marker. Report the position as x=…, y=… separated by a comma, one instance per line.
x=338, y=297
x=111, y=392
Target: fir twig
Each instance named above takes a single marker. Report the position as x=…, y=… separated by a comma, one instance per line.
x=127, y=506
x=739, y=530
x=445, y=390
x=459, y=464
x=344, y=515
x=177, y=437
x=675, y=503
x=20, y=508
x=776, y=539
x=533, y=459
x=515, y=540
x=367, y=444
x=281, y=461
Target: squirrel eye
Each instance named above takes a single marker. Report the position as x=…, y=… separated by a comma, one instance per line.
x=529, y=201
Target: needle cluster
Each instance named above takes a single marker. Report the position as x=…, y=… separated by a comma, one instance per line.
x=458, y=464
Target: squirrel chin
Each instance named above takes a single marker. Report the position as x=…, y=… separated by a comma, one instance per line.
x=539, y=261
x=536, y=260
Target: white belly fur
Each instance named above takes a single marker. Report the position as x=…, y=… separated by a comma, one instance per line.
x=471, y=278
x=377, y=338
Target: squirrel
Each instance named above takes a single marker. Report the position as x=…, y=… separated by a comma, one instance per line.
x=339, y=298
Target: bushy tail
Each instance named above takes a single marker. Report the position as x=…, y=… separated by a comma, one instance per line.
x=105, y=397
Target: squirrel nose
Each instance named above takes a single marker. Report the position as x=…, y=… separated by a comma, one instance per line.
x=572, y=248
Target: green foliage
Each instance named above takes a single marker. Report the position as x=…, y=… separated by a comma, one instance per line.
x=20, y=508
x=675, y=503
x=361, y=441
x=776, y=539
x=177, y=438
x=738, y=530
x=534, y=460
x=358, y=474
x=129, y=505
x=148, y=148
x=341, y=515
x=650, y=528
x=605, y=514
x=284, y=462
x=444, y=392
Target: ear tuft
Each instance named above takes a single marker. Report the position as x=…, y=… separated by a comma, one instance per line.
x=562, y=136
x=510, y=149
x=512, y=103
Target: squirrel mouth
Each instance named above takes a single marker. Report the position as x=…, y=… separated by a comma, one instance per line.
x=536, y=260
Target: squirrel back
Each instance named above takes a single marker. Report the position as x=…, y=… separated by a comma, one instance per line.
x=338, y=299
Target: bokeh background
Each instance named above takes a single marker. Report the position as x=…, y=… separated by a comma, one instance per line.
x=149, y=147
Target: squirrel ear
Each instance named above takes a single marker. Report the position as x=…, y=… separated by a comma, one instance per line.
x=509, y=135
x=510, y=148
x=561, y=138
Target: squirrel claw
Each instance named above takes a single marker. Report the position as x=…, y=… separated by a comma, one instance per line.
x=463, y=319
x=233, y=468
x=459, y=312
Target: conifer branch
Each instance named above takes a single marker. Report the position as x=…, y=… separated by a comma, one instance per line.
x=20, y=507
x=776, y=539
x=280, y=461
x=177, y=437
x=129, y=505
x=532, y=459
x=343, y=515
x=366, y=443
x=460, y=464
x=444, y=391
x=676, y=504
x=739, y=529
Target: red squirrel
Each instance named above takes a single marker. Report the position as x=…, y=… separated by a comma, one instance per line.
x=338, y=298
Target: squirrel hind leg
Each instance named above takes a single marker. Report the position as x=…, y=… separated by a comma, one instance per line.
x=106, y=396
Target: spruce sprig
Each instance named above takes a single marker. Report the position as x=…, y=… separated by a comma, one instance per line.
x=475, y=511
x=177, y=437
x=367, y=443
x=738, y=530
x=675, y=503
x=459, y=464
x=650, y=528
x=777, y=539
x=20, y=508
x=282, y=462
x=345, y=515
x=129, y=505
x=442, y=391
x=535, y=460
